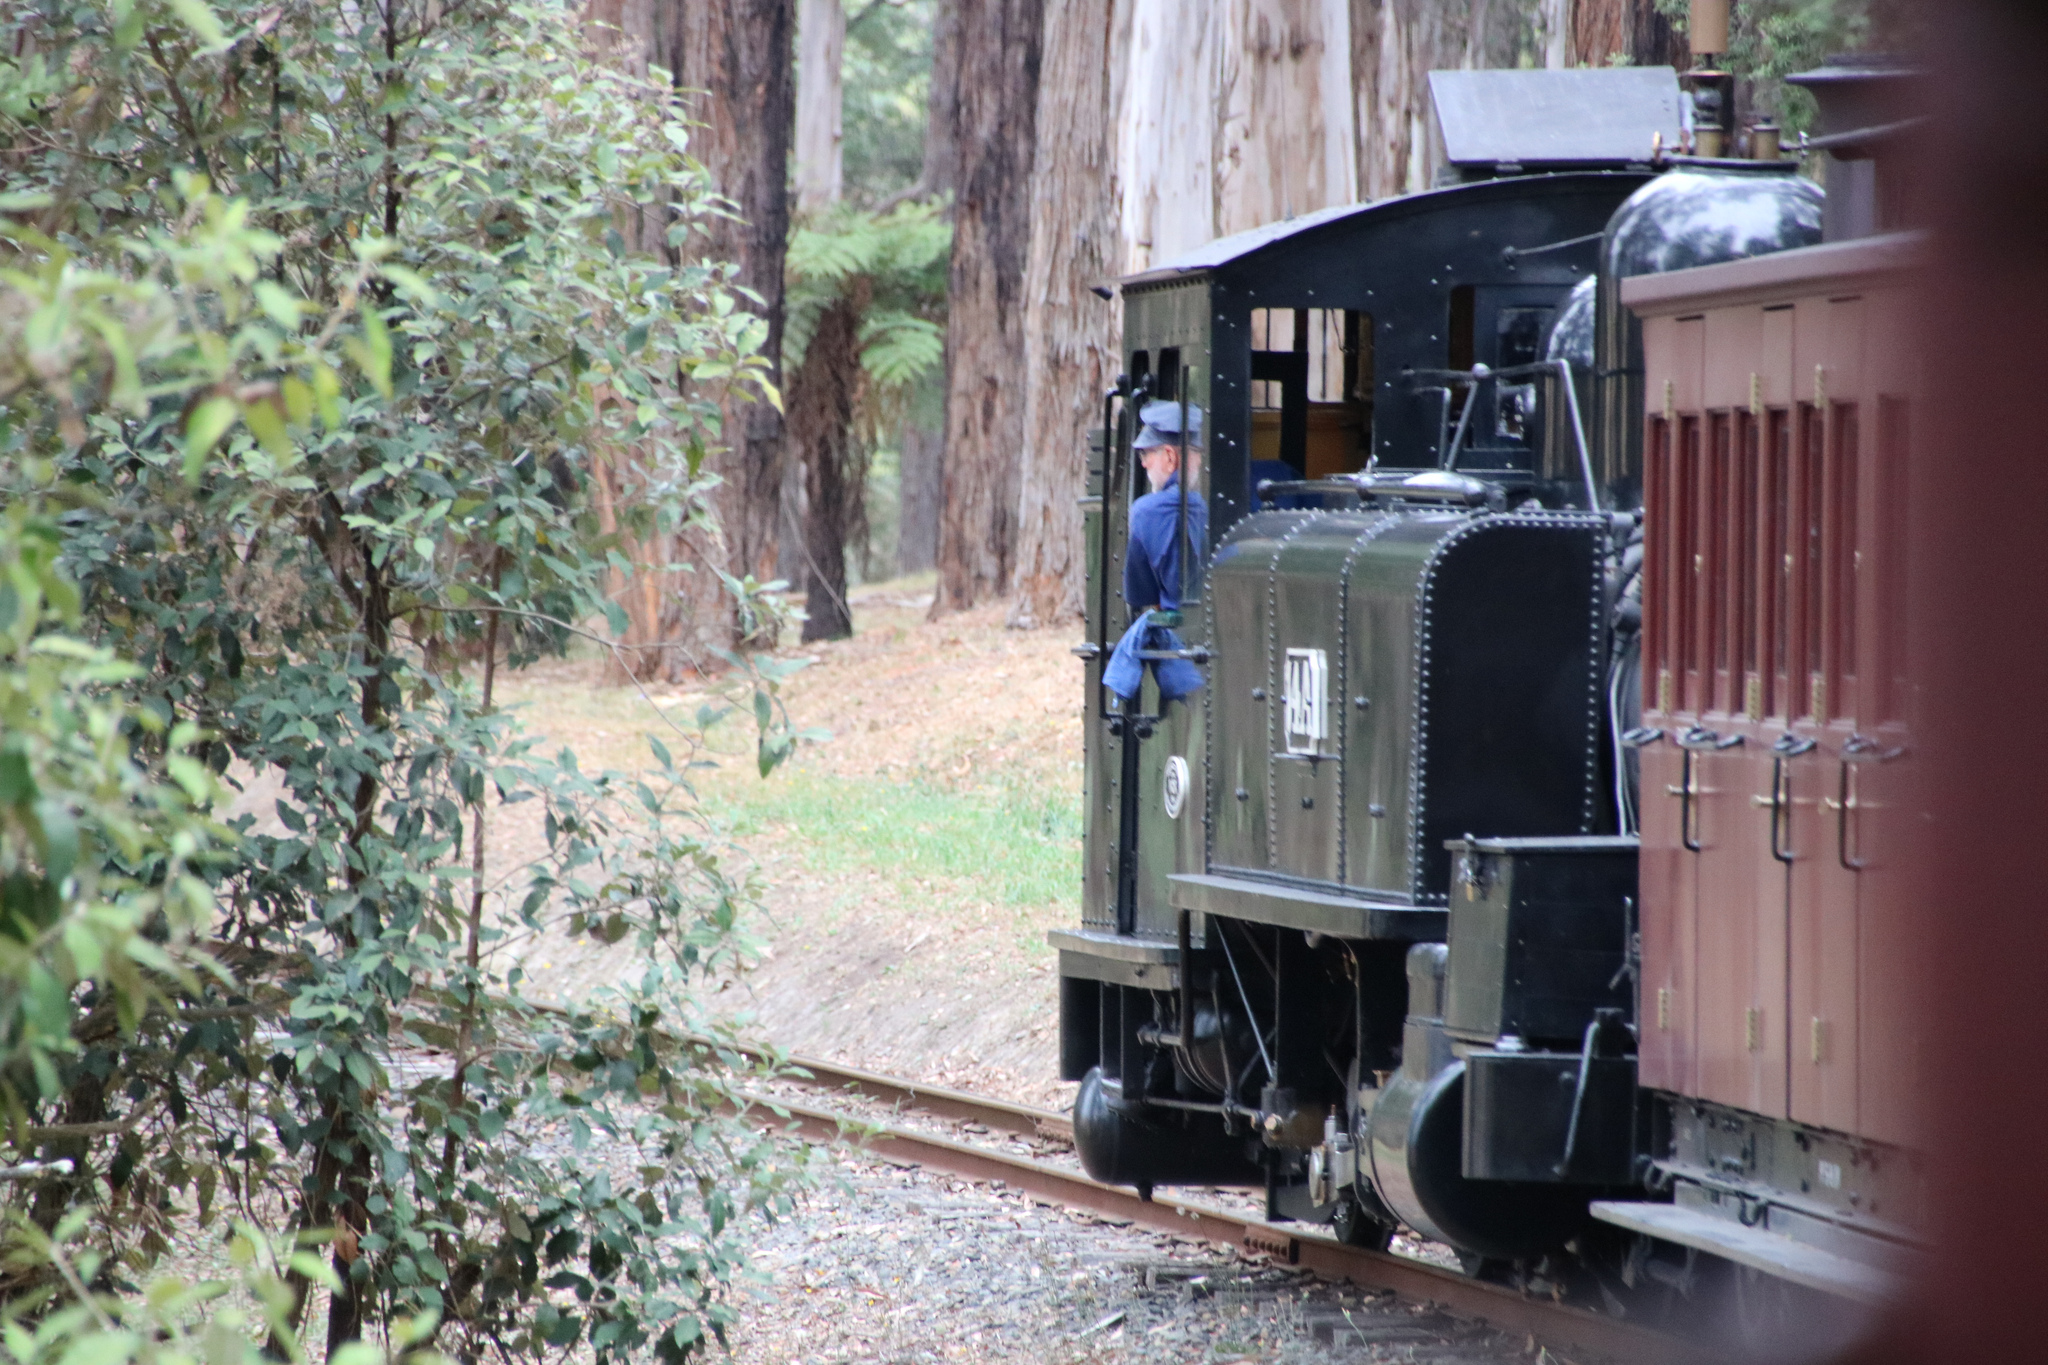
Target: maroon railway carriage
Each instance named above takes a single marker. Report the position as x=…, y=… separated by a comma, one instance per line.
x=1774, y=1025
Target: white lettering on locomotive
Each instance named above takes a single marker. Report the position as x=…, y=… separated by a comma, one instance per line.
x=1308, y=700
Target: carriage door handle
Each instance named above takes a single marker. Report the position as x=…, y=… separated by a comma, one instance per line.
x=1859, y=749
x=1695, y=741
x=1788, y=746
x=1686, y=788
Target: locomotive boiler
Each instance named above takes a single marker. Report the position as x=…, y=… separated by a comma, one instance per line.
x=1444, y=902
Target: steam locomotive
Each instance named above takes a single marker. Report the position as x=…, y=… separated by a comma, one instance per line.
x=1518, y=874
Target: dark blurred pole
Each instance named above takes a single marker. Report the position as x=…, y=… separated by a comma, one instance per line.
x=1978, y=603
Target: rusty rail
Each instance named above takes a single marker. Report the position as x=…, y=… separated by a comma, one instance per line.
x=1560, y=1327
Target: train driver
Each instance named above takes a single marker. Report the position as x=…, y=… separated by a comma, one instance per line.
x=1152, y=568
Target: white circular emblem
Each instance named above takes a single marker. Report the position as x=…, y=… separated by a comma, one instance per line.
x=1176, y=788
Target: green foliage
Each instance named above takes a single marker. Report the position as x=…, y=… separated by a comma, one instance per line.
x=885, y=91
x=97, y=849
x=314, y=321
x=177, y=1322
x=1772, y=39
x=894, y=262
x=889, y=270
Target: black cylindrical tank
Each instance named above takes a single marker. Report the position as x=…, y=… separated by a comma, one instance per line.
x=1156, y=1145
x=1417, y=1138
x=1681, y=219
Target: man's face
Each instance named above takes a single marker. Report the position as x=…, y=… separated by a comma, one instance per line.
x=1161, y=461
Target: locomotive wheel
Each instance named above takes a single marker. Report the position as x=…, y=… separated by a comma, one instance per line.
x=1492, y=1269
x=1355, y=1227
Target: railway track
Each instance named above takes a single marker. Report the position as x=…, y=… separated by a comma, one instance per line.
x=1562, y=1328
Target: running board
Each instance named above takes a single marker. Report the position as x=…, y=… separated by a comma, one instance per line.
x=1771, y=1252
x=1298, y=907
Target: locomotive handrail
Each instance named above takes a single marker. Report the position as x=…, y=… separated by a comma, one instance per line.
x=1479, y=374
x=1447, y=487
x=1850, y=137
x=1185, y=382
x=1510, y=254
x=1604, y=1020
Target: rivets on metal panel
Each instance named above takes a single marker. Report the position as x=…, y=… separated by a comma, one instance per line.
x=1377, y=811
x=1258, y=694
x=1362, y=703
x=1308, y=803
x=1244, y=794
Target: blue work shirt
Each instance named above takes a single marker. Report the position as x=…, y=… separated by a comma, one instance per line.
x=1152, y=561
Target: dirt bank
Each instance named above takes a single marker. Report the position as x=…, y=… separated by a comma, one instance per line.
x=909, y=865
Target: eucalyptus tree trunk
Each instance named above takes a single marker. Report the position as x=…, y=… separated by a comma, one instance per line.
x=917, y=483
x=1237, y=114
x=995, y=90
x=1395, y=44
x=941, y=171
x=624, y=34
x=1285, y=119
x=1554, y=21
x=1166, y=131
x=1635, y=30
x=822, y=477
x=822, y=395
x=736, y=60
x=739, y=53
x=920, y=490
x=821, y=51
x=1070, y=334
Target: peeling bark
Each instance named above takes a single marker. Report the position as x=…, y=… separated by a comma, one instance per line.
x=1395, y=44
x=995, y=89
x=1285, y=132
x=821, y=46
x=1071, y=335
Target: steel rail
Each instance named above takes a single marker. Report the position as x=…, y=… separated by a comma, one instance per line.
x=1558, y=1326
x=937, y=1100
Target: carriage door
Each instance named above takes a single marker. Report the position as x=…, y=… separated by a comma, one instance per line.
x=1830, y=523
x=1740, y=925
x=1669, y=911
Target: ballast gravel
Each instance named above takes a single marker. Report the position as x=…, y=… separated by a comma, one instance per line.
x=894, y=1264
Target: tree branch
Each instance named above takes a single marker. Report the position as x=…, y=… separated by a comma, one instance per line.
x=185, y=116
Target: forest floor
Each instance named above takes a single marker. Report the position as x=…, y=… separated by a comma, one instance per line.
x=909, y=865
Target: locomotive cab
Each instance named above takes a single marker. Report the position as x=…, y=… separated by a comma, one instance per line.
x=1401, y=625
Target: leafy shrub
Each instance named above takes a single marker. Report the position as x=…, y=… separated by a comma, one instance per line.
x=313, y=319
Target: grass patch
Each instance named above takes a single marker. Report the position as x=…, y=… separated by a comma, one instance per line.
x=1018, y=847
